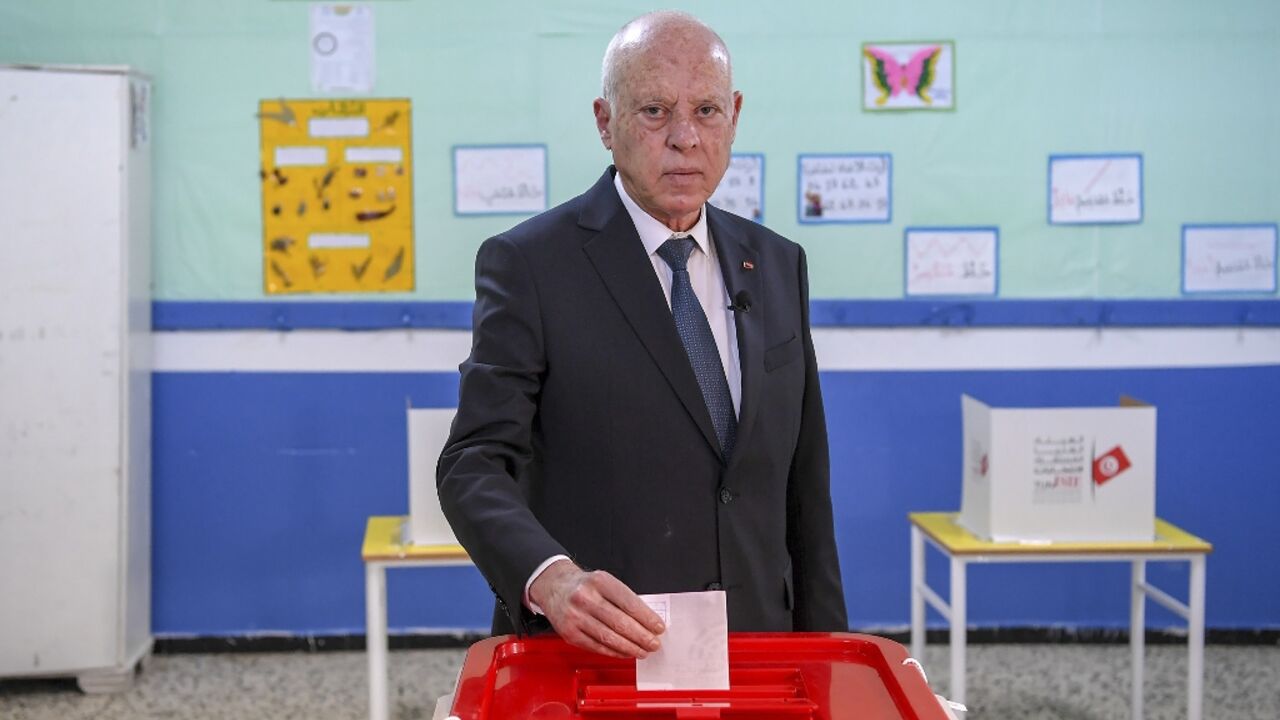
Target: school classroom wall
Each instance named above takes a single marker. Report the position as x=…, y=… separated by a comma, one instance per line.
x=279, y=422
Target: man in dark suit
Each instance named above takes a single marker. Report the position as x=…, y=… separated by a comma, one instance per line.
x=641, y=411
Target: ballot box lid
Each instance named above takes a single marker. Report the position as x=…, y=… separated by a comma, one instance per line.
x=823, y=676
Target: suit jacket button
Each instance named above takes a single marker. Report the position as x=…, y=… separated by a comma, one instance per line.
x=726, y=497
x=715, y=586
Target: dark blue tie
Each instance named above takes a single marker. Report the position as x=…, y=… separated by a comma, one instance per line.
x=699, y=343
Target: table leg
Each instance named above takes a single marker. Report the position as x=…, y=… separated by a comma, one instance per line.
x=375, y=586
x=958, y=628
x=917, y=594
x=1195, y=639
x=1137, y=634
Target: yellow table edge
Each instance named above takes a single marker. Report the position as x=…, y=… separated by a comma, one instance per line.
x=944, y=530
x=382, y=541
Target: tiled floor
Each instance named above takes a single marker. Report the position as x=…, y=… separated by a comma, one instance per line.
x=1022, y=682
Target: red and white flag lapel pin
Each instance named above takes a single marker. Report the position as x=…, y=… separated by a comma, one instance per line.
x=748, y=265
x=1110, y=464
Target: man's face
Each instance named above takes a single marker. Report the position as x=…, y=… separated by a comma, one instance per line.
x=671, y=127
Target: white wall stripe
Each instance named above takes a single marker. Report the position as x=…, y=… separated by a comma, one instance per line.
x=839, y=349
x=311, y=351
x=1044, y=349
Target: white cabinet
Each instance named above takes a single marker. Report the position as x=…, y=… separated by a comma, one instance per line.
x=75, y=373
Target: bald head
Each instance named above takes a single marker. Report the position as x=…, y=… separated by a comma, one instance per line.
x=649, y=32
x=668, y=114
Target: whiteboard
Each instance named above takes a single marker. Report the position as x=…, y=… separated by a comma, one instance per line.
x=1228, y=259
x=741, y=190
x=849, y=188
x=1095, y=189
x=499, y=179
x=951, y=261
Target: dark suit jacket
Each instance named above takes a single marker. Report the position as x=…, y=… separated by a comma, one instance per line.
x=581, y=429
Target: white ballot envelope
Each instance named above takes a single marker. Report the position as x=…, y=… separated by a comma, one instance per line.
x=695, y=648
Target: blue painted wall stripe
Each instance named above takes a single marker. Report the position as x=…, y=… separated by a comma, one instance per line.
x=456, y=315
x=262, y=483
x=294, y=315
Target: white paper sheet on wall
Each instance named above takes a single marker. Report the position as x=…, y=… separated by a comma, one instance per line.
x=845, y=188
x=490, y=180
x=951, y=261
x=342, y=48
x=1228, y=258
x=1095, y=189
x=741, y=190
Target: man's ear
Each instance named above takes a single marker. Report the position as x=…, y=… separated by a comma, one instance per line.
x=737, y=108
x=601, y=109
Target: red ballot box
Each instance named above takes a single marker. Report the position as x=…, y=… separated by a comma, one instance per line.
x=824, y=676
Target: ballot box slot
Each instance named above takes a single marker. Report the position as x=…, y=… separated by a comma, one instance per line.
x=762, y=693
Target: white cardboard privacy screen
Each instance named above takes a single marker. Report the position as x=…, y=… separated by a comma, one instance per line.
x=428, y=431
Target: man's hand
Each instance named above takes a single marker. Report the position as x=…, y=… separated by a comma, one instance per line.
x=596, y=611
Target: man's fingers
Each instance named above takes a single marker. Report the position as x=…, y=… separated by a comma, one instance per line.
x=619, y=643
x=616, y=592
x=627, y=629
x=597, y=615
x=586, y=642
x=586, y=628
x=597, y=612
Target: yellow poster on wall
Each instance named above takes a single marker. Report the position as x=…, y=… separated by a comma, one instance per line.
x=337, y=196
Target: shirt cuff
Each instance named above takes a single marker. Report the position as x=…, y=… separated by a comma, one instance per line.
x=528, y=601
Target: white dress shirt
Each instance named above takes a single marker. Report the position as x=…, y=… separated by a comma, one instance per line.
x=704, y=275
x=708, y=285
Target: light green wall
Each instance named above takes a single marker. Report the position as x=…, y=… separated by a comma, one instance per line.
x=1190, y=84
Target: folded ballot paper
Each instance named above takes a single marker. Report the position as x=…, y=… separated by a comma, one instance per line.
x=695, y=648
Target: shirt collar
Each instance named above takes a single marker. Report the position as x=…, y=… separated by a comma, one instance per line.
x=652, y=232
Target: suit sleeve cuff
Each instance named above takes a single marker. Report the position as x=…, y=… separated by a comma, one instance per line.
x=528, y=601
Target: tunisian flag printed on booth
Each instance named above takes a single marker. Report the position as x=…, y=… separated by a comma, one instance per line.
x=1109, y=465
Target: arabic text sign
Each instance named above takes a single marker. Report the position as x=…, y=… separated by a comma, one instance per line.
x=499, y=179
x=1228, y=258
x=845, y=188
x=951, y=261
x=1095, y=189
x=741, y=190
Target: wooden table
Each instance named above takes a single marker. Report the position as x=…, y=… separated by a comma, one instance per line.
x=1171, y=544
x=384, y=548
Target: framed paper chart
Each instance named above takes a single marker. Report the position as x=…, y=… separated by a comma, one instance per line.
x=499, y=179
x=908, y=76
x=337, y=195
x=1095, y=189
x=1228, y=258
x=852, y=188
x=951, y=261
x=741, y=190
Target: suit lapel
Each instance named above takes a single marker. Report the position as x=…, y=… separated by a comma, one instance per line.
x=737, y=264
x=624, y=267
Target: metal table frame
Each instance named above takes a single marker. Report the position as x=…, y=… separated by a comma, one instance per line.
x=384, y=549
x=1172, y=544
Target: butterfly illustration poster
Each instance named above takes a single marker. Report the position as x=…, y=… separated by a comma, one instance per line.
x=908, y=76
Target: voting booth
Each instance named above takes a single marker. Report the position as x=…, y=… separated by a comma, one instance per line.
x=75, y=373
x=772, y=675
x=1059, y=474
x=428, y=432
